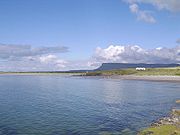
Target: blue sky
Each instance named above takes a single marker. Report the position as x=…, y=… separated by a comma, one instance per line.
x=84, y=25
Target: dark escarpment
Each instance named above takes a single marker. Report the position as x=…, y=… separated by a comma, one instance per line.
x=116, y=66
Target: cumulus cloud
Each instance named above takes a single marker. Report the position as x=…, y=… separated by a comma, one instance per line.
x=136, y=54
x=142, y=15
x=53, y=60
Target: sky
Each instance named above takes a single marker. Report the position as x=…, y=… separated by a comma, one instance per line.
x=43, y=35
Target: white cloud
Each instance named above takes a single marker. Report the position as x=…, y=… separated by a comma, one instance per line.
x=34, y=63
x=159, y=48
x=134, y=8
x=170, y=5
x=53, y=60
x=142, y=15
x=18, y=51
x=47, y=59
x=28, y=58
x=136, y=54
x=22, y=60
x=112, y=52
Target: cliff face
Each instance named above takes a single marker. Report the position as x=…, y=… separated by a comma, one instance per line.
x=113, y=66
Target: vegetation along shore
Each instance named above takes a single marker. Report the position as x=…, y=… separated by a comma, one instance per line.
x=169, y=125
x=132, y=71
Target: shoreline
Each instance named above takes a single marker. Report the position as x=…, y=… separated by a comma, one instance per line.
x=140, y=78
x=157, y=78
x=36, y=74
x=149, y=78
x=169, y=125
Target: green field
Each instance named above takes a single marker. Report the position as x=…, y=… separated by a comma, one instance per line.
x=148, y=71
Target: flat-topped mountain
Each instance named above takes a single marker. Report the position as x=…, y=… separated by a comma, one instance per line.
x=113, y=66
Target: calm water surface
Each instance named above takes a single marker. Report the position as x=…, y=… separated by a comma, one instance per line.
x=59, y=105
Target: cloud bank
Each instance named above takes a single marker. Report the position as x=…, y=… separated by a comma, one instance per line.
x=136, y=54
x=14, y=51
x=28, y=58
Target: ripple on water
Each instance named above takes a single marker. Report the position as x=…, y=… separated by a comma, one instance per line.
x=54, y=105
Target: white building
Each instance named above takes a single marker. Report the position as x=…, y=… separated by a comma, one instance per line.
x=140, y=69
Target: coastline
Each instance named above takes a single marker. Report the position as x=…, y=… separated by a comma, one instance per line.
x=39, y=74
x=169, y=125
x=148, y=78
x=140, y=78
x=158, y=78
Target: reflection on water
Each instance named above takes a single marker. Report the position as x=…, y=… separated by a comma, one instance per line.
x=110, y=93
x=57, y=105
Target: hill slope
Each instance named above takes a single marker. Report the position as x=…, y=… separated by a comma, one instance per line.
x=116, y=66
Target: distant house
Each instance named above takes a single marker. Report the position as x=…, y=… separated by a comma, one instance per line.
x=140, y=69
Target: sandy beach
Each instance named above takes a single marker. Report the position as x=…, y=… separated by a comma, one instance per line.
x=148, y=78
x=142, y=78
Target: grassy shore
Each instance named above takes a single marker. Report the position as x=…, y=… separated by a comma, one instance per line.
x=148, y=71
x=161, y=130
x=129, y=71
x=166, y=126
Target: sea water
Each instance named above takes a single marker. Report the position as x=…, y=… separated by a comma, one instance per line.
x=63, y=105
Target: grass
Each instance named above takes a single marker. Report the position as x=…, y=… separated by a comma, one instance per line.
x=112, y=72
x=161, y=130
x=160, y=71
x=130, y=71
